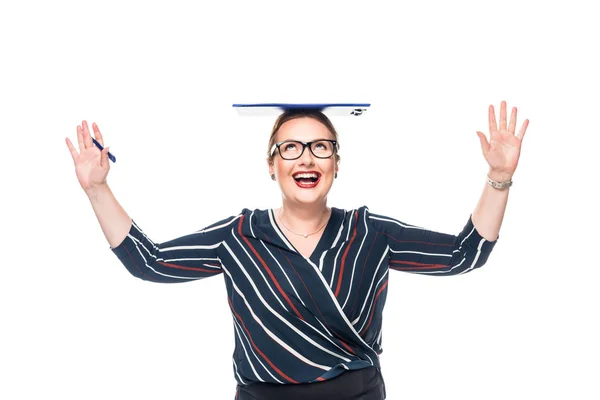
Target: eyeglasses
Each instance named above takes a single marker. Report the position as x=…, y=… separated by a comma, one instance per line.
x=293, y=149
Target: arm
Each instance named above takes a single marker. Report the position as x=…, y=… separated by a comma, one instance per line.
x=502, y=153
x=421, y=251
x=417, y=250
x=190, y=257
x=187, y=258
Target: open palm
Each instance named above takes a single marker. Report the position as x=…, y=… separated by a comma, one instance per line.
x=503, y=150
x=91, y=164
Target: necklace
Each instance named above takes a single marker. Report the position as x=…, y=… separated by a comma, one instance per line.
x=301, y=234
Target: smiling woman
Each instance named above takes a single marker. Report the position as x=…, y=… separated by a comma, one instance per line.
x=306, y=283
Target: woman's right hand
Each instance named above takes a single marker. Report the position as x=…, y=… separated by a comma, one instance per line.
x=91, y=164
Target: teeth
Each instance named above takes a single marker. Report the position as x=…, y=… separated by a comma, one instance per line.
x=306, y=175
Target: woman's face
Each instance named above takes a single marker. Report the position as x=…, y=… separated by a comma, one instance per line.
x=304, y=130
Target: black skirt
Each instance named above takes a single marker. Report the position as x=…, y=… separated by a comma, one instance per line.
x=362, y=384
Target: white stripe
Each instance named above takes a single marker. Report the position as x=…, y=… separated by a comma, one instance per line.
x=235, y=326
x=196, y=247
x=481, y=242
x=350, y=224
x=335, y=263
x=236, y=371
x=371, y=285
x=252, y=350
x=279, y=316
x=356, y=259
x=155, y=271
x=396, y=222
x=275, y=259
x=281, y=235
x=219, y=226
x=142, y=233
x=255, y=355
x=273, y=336
x=420, y=252
x=372, y=300
x=326, y=338
x=341, y=247
x=140, y=244
x=193, y=259
x=337, y=305
x=259, y=271
x=339, y=231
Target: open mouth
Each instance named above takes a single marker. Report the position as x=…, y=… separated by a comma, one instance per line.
x=307, y=179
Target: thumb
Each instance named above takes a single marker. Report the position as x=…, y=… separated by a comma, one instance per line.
x=484, y=143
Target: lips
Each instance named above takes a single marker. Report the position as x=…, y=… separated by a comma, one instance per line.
x=307, y=179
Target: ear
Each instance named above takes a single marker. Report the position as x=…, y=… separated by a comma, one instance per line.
x=271, y=168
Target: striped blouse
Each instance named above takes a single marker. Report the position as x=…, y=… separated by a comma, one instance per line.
x=299, y=319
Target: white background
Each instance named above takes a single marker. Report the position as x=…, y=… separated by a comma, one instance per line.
x=160, y=80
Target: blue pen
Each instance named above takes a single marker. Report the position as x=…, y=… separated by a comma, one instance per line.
x=110, y=156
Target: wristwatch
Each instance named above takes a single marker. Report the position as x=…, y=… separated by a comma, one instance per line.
x=499, y=185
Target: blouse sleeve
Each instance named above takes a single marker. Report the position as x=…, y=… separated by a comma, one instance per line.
x=187, y=258
x=417, y=250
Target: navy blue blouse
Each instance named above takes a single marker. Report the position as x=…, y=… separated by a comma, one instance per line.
x=299, y=319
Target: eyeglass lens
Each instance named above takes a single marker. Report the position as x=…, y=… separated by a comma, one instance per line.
x=291, y=150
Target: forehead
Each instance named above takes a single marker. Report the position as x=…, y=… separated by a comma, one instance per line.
x=304, y=129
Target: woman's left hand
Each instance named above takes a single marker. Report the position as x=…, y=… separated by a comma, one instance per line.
x=504, y=148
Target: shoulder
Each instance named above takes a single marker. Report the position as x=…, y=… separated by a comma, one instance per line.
x=224, y=223
x=383, y=223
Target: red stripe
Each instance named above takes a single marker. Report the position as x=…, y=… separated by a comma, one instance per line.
x=337, y=337
x=256, y=347
x=416, y=241
x=320, y=379
x=188, y=268
x=264, y=264
x=337, y=289
x=373, y=308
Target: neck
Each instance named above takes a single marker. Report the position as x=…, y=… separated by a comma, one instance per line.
x=304, y=218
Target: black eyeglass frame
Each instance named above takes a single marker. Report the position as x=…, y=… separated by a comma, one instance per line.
x=277, y=146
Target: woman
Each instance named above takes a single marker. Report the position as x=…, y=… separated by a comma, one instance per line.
x=306, y=283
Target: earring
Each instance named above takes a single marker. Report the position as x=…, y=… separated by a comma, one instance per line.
x=273, y=176
x=335, y=176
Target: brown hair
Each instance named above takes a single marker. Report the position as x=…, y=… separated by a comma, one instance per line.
x=290, y=114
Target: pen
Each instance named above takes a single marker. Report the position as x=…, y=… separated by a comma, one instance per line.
x=110, y=156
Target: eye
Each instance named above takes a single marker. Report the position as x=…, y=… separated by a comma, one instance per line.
x=289, y=146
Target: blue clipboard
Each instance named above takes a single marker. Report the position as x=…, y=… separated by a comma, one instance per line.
x=329, y=109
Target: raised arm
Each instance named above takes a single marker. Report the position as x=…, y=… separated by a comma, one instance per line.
x=502, y=154
x=92, y=167
x=417, y=250
x=187, y=258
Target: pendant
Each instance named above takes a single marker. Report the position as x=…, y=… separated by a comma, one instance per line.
x=305, y=236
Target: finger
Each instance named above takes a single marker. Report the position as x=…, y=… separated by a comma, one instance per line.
x=104, y=158
x=80, y=138
x=492, y=119
x=87, y=138
x=513, y=121
x=485, y=146
x=97, y=134
x=521, y=133
x=74, y=153
x=503, y=116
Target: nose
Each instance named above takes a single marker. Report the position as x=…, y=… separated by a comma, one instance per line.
x=307, y=157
